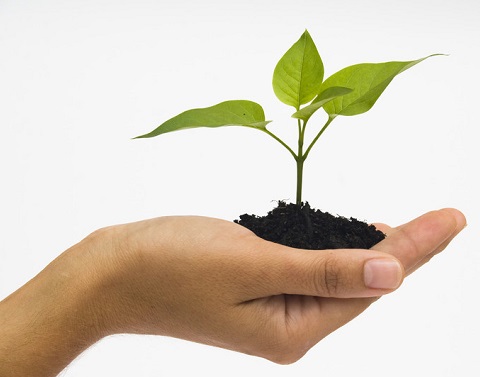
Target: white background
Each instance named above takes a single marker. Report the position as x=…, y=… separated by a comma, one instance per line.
x=79, y=79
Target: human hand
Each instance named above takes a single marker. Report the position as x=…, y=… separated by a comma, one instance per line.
x=208, y=281
x=214, y=282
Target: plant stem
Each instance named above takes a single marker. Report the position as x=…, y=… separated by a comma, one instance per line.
x=330, y=119
x=300, y=162
x=300, y=156
x=300, y=159
x=280, y=141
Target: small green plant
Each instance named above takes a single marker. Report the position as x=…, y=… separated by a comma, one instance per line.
x=297, y=81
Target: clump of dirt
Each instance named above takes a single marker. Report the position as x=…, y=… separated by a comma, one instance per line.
x=303, y=227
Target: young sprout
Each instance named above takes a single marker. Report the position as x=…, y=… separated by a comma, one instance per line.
x=298, y=81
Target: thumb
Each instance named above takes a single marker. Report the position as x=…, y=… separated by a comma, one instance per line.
x=341, y=273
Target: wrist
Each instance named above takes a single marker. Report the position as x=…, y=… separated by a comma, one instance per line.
x=49, y=321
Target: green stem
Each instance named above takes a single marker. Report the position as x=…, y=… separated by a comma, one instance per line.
x=280, y=141
x=300, y=160
x=330, y=119
x=300, y=156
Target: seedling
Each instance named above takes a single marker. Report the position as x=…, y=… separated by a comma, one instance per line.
x=298, y=81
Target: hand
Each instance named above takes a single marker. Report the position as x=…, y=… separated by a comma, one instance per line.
x=208, y=281
x=214, y=282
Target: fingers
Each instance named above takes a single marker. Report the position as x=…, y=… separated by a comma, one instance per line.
x=416, y=242
x=355, y=273
x=343, y=273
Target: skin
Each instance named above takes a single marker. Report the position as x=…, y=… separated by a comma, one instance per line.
x=208, y=281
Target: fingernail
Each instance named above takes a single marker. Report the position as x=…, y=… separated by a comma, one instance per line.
x=382, y=274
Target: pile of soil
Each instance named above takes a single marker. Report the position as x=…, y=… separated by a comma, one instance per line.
x=304, y=227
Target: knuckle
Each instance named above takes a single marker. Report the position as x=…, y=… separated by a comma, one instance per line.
x=328, y=277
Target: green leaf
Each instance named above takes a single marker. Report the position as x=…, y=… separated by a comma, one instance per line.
x=323, y=98
x=299, y=73
x=369, y=80
x=228, y=113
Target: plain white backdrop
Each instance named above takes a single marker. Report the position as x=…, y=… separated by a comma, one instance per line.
x=79, y=79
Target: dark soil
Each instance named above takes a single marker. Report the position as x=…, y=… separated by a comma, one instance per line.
x=304, y=227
